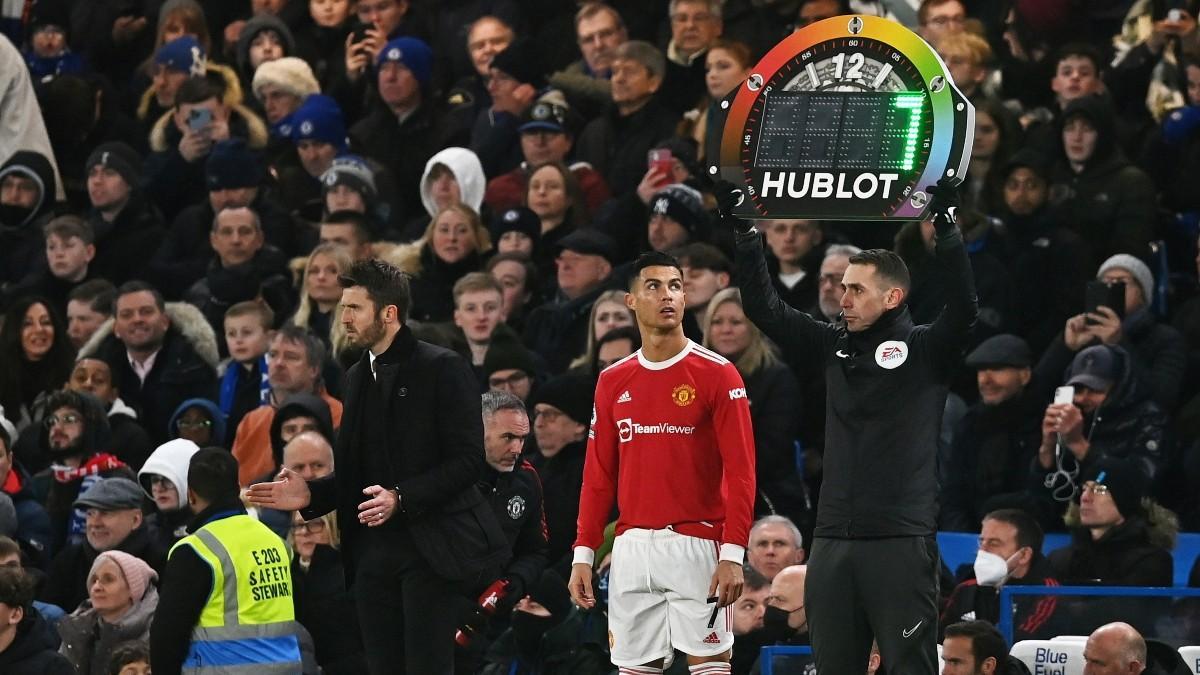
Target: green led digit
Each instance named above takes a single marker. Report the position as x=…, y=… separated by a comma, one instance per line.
x=913, y=104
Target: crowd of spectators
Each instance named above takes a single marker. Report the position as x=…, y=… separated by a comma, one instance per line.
x=181, y=183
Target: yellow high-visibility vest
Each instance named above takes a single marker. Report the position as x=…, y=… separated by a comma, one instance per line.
x=249, y=623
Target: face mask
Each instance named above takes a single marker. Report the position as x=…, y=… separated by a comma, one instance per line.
x=775, y=623
x=990, y=569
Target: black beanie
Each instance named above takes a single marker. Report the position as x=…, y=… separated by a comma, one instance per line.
x=119, y=157
x=571, y=394
x=231, y=165
x=505, y=354
x=517, y=219
x=1124, y=480
x=520, y=62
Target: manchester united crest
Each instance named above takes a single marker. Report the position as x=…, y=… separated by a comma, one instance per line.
x=516, y=507
x=683, y=395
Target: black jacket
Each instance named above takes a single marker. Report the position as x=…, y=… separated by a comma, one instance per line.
x=970, y=601
x=1134, y=553
x=402, y=147
x=558, y=330
x=434, y=422
x=326, y=609
x=562, y=479
x=775, y=407
x=33, y=651
x=882, y=424
x=179, y=373
x=516, y=498
x=616, y=146
x=263, y=276
x=134, y=236
x=66, y=583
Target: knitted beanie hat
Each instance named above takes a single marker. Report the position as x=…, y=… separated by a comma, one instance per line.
x=137, y=573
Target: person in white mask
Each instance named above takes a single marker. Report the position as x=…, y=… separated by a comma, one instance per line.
x=1010, y=553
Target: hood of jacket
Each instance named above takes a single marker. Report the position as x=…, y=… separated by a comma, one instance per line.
x=1098, y=110
x=121, y=408
x=1158, y=527
x=251, y=30
x=170, y=460
x=186, y=319
x=164, y=135
x=213, y=410
x=36, y=167
x=300, y=405
x=467, y=170
x=97, y=434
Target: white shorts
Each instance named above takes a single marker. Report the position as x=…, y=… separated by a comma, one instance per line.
x=657, y=598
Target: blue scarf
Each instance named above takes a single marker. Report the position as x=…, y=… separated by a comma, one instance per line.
x=233, y=376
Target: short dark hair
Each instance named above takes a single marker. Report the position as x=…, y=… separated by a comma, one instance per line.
x=653, y=259
x=531, y=272
x=301, y=335
x=213, y=475
x=1081, y=49
x=704, y=256
x=138, y=286
x=1029, y=532
x=99, y=294
x=889, y=265
x=16, y=588
x=361, y=223
x=986, y=641
x=133, y=651
x=384, y=282
x=198, y=90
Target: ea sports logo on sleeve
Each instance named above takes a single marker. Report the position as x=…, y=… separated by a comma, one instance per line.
x=891, y=354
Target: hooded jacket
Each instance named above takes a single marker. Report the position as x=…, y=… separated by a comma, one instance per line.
x=467, y=170
x=170, y=461
x=253, y=27
x=1128, y=424
x=33, y=651
x=130, y=442
x=88, y=640
x=255, y=439
x=1110, y=203
x=21, y=240
x=173, y=181
x=184, y=368
x=300, y=405
x=218, y=419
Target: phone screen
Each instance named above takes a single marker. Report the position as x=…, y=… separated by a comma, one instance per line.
x=663, y=162
x=199, y=118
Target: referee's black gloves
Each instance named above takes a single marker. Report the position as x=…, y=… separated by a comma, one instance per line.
x=728, y=197
x=943, y=205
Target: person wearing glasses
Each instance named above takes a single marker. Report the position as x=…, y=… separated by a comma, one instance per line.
x=695, y=26
x=164, y=480
x=198, y=420
x=599, y=30
x=938, y=18
x=323, y=605
x=562, y=409
x=1119, y=537
x=76, y=438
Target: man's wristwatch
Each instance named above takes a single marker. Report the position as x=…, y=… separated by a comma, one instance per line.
x=396, y=490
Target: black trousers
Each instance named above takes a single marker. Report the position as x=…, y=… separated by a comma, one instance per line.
x=404, y=608
x=857, y=590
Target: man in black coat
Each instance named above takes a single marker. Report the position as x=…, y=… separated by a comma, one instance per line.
x=27, y=642
x=127, y=225
x=887, y=380
x=411, y=443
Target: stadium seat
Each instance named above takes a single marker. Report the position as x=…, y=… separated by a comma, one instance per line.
x=1069, y=638
x=1191, y=656
x=1187, y=548
x=1050, y=657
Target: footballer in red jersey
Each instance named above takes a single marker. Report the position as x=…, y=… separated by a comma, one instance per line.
x=672, y=447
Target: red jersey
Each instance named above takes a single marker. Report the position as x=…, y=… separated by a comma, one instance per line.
x=671, y=442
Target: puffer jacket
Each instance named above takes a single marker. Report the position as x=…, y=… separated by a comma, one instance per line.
x=1135, y=553
x=88, y=640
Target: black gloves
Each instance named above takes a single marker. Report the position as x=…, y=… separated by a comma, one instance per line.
x=728, y=197
x=943, y=204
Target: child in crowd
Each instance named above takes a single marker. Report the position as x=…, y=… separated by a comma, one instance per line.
x=47, y=53
x=70, y=248
x=244, y=383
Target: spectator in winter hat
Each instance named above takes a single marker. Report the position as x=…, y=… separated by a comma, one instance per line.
x=48, y=53
x=452, y=176
x=516, y=77
x=282, y=85
x=411, y=54
x=122, y=601
x=319, y=133
x=517, y=229
x=562, y=409
x=676, y=217
x=174, y=63
x=263, y=39
x=126, y=224
x=349, y=185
